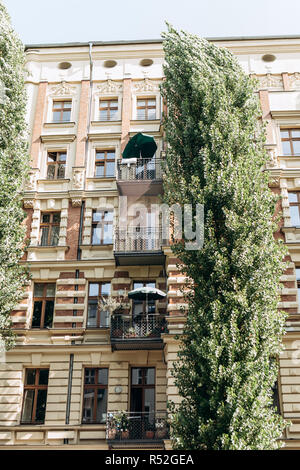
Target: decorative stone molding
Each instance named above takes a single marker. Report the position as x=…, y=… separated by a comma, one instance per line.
x=28, y=203
x=294, y=81
x=30, y=184
x=76, y=202
x=78, y=178
x=274, y=182
x=273, y=160
x=110, y=87
x=269, y=80
x=62, y=89
x=146, y=85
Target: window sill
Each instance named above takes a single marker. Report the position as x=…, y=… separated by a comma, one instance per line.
x=59, y=124
x=291, y=229
x=47, y=247
x=97, y=247
x=58, y=180
x=98, y=179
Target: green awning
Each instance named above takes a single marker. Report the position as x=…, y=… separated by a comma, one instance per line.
x=140, y=146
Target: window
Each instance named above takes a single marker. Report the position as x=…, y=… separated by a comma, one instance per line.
x=290, y=141
x=105, y=163
x=56, y=165
x=35, y=396
x=62, y=111
x=142, y=390
x=108, y=110
x=294, y=200
x=43, y=305
x=95, y=396
x=49, y=231
x=142, y=307
x=97, y=318
x=102, y=227
x=146, y=109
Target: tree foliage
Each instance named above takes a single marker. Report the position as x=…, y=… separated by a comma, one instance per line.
x=215, y=157
x=13, y=170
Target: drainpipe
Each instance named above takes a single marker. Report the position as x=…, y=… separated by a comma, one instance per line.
x=80, y=231
x=66, y=441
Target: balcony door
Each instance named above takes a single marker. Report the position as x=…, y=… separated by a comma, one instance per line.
x=142, y=401
x=141, y=308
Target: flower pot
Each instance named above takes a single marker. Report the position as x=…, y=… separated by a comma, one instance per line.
x=161, y=433
x=149, y=434
x=112, y=433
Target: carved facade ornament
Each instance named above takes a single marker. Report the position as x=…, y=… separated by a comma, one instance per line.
x=274, y=182
x=110, y=87
x=63, y=89
x=294, y=80
x=76, y=202
x=30, y=184
x=273, y=161
x=270, y=81
x=28, y=203
x=146, y=86
x=78, y=178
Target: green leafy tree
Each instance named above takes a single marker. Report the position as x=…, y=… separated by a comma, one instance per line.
x=227, y=360
x=13, y=170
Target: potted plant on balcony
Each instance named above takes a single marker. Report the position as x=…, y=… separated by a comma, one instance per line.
x=111, y=427
x=161, y=428
x=122, y=424
x=130, y=333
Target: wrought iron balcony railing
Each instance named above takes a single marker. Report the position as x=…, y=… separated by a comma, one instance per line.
x=137, y=239
x=149, y=327
x=144, y=169
x=129, y=426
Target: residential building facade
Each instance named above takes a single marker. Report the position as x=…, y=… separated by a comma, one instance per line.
x=91, y=367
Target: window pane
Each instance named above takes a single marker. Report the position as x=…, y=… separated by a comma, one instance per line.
x=102, y=376
x=111, y=155
x=100, y=155
x=295, y=219
x=151, y=114
x=296, y=146
x=67, y=104
x=110, y=169
x=28, y=406
x=30, y=376
x=97, y=216
x=151, y=102
x=293, y=197
x=56, y=116
x=49, y=314
x=88, y=406
x=96, y=236
x=99, y=171
x=296, y=133
x=149, y=400
x=37, y=313
x=136, y=376
x=105, y=289
x=50, y=172
x=61, y=171
x=45, y=218
x=43, y=378
x=57, y=104
x=101, y=406
x=89, y=376
x=104, y=319
x=50, y=292
x=38, y=290
x=284, y=134
x=103, y=115
x=92, y=314
x=41, y=406
x=93, y=289
x=54, y=235
x=108, y=216
x=56, y=218
x=298, y=297
x=66, y=115
x=113, y=114
x=141, y=114
x=103, y=104
x=298, y=274
x=62, y=157
x=52, y=156
x=141, y=103
x=107, y=234
x=286, y=148
x=150, y=376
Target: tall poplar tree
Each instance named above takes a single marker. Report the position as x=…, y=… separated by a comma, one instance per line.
x=13, y=170
x=215, y=156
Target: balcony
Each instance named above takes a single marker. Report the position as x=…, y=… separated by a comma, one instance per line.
x=138, y=246
x=144, y=332
x=125, y=429
x=140, y=177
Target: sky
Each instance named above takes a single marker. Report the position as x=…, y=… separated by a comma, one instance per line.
x=40, y=21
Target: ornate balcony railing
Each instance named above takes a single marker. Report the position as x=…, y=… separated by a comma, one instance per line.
x=137, y=239
x=149, y=327
x=143, y=169
x=129, y=426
